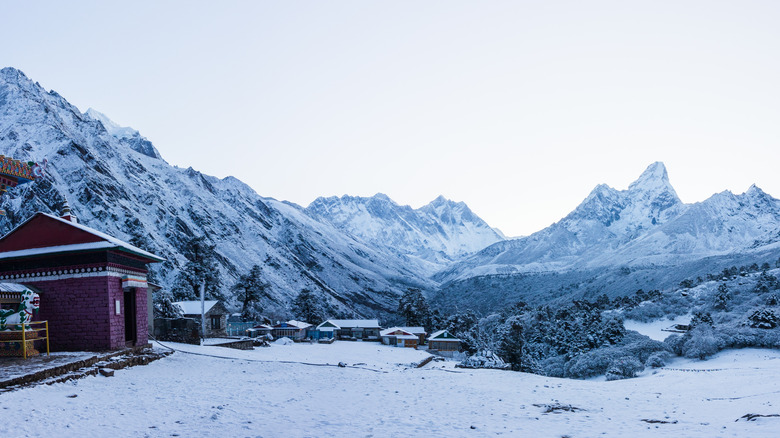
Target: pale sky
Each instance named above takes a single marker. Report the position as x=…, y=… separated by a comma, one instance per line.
x=518, y=108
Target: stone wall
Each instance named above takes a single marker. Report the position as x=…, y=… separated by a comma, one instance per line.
x=184, y=330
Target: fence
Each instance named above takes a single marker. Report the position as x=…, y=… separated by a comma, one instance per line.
x=239, y=328
x=24, y=340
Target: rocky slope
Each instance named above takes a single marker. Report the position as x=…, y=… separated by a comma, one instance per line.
x=115, y=181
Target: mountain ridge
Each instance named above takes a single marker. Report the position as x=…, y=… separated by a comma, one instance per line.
x=434, y=234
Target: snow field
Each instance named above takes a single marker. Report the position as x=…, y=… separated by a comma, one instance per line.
x=193, y=395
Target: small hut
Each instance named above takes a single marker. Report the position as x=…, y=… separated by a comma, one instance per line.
x=215, y=312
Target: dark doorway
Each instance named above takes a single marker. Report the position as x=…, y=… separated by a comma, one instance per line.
x=131, y=327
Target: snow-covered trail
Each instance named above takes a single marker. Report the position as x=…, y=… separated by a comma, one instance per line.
x=190, y=395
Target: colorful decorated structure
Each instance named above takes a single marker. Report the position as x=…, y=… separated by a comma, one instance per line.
x=29, y=302
x=18, y=333
x=15, y=172
x=92, y=286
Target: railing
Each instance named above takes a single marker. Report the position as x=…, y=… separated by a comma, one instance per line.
x=239, y=328
x=25, y=339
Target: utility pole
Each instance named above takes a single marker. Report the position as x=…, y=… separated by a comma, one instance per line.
x=202, y=311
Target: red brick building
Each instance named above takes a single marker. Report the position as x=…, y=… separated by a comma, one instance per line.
x=92, y=286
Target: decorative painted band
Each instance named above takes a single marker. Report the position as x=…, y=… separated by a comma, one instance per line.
x=66, y=270
x=134, y=281
x=69, y=273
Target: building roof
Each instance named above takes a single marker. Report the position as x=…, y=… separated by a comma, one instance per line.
x=354, y=323
x=391, y=330
x=12, y=287
x=62, y=236
x=193, y=307
x=294, y=324
x=443, y=335
x=415, y=330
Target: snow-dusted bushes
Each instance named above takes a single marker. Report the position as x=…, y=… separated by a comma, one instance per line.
x=484, y=359
x=763, y=319
x=667, y=305
x=701, y=343
x=599, y=361
x=624, y=367
x=658, y=359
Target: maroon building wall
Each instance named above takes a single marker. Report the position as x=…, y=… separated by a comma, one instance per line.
x=78, y=311
x=82, y=313
x=142, y=313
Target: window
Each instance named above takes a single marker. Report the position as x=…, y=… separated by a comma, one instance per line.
x=216, y=322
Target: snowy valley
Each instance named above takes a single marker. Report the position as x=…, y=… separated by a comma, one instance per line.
x=583, y=307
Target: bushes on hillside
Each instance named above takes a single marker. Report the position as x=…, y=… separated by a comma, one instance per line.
x=624, y=367
x=701, y=342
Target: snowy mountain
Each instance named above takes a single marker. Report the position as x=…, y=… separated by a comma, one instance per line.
x=115, y=181
x=126, y=135
x=435, y=234
x=646, y=224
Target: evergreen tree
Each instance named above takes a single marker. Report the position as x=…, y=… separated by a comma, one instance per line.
x=307, y=307
x=163, y=305
x=413, y=308
x=249, y=289
x=722, y=297
x=460, y=323
x=701, y=318
x=510, y=347
x=201, y=266
x=612, y=329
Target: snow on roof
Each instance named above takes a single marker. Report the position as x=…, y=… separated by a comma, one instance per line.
x=296, y=324
x=193, y=307
x=415, y=330
x=109, y=242
x=388, y=332
x=441, y=332
x=408, y=337
x=12, y=287
x=355, y=323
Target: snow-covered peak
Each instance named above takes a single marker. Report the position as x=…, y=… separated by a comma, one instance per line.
x=112, y=127
x=755, y=192
x=654, y=179
x=10, y=74
x=125, y=134
x=381, y=197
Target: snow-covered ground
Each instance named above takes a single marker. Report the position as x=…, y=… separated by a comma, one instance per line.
x=263, y=393
x=656, y=329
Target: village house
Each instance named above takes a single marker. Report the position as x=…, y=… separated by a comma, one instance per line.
x=215, y=312
x=295, y=330
x=353, y=329
x=399, y=337
x=92, y=287
x=259, y=331
x=444, y=343
x=417, y=331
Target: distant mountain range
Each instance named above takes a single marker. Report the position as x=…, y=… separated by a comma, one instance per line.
x=618, y=241
x=436, y=234
x=361, y=253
